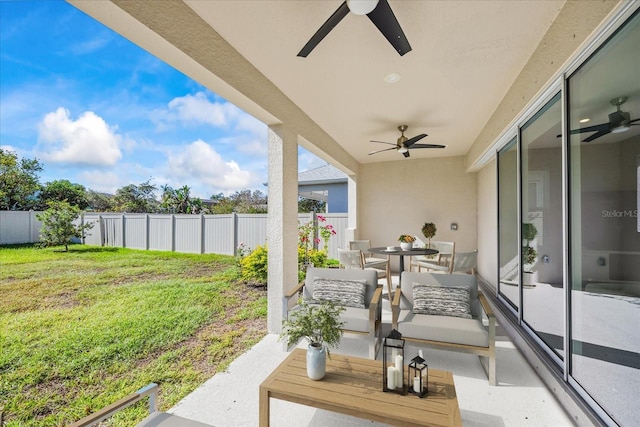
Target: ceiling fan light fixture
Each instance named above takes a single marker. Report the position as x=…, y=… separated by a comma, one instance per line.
x=392, y=77
x=620, y=129
x=402, y=150
x=585, y=120
x=362, y=7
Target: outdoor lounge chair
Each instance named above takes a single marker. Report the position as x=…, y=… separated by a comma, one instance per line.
x=359, y=322
x=155, y=418
x=355, y=259
x=429, y=309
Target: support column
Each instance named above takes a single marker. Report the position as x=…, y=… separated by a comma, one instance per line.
x=282, y=223
x=351, y=233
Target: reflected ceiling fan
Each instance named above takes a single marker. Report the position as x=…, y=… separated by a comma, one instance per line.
x=404, y=143
x=378, y=11
x=619, y=121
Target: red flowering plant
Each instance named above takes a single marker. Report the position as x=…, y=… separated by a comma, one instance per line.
x=310, y=234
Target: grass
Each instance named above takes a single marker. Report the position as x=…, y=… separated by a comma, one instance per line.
x=82, y=329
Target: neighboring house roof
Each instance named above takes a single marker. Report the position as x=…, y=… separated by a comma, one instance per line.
x=322, y=175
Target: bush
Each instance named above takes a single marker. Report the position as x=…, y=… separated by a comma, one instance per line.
x=254, y=266
x=58, y=226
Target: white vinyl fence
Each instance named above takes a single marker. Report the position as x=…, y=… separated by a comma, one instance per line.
x=220, y=234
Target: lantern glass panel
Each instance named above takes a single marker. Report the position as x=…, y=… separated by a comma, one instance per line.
x=393, y=364
x=418, y=376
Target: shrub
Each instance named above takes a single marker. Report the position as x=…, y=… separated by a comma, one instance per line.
x=254, y=266
x=57, y=224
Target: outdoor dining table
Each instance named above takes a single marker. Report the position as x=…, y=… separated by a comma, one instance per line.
x=402, y=253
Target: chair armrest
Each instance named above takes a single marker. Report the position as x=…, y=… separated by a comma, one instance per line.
x=485, y=306
x=293, y=292
x=374, y=304
x=395, y=308
x=492, y=320
x=150, y=390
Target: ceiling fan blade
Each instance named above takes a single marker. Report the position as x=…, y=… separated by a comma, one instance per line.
x=329, y=25
x=385, y=149
x=383, y=18
x=428, y=146
x=383, y=142
x=594, y=128
x=596, y=135
x=406, y=154
x=634, y=120
x=409, y=142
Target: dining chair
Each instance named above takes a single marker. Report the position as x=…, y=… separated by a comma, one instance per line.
x=465, y=262
x=353, y=258
x=442, y=261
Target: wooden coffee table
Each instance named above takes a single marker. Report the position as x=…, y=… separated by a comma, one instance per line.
x=353, y=386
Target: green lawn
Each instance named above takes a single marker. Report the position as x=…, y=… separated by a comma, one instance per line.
x=82, y=329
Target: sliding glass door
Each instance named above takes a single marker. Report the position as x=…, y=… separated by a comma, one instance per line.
x=604, y=171
x=542, y=261
x=509, y=266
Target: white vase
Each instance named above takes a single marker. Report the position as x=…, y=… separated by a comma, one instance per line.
x=316, y=362
x=406, y=246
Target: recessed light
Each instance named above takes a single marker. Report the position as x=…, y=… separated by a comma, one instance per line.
x=585, y=120
x=392, y=77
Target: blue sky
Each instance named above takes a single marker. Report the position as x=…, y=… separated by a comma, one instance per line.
x=99, y=111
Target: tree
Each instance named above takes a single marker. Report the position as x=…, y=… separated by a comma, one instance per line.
x=99, y=202
x=310, y=205
x=180, y=201
x=136, y=199
x=61, y=190
x=244, y=201
x=58, y=226
x=19, y=181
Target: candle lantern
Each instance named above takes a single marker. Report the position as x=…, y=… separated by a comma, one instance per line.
x=418, y=376
x=393, y=363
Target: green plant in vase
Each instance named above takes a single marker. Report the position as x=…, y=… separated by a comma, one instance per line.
x=321, y=326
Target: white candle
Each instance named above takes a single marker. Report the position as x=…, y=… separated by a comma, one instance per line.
x=399, y=371
x=399, y=362
x=391, y=378
x=416, y=385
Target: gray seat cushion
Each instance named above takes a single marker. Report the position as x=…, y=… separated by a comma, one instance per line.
x=443, y=328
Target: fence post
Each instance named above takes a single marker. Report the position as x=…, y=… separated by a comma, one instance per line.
x=124, y=243
x=314, y=221
x=146, y=229
x=173, y=233
x=202, y=222
x=235, y=232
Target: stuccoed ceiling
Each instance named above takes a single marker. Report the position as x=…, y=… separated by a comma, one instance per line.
x=466, y=55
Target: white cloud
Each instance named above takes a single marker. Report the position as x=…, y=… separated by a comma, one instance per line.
x=89, y=46
x=198, y=109
x=89, y=140
x=103, y=181
x=201, y=163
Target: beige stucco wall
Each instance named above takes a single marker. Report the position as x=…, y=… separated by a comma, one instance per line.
x=399, y=197
x=575, y=23
x=488, y=223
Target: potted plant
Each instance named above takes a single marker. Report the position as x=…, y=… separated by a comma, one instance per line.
x=529, y=254
x=320, y=324
x=429, y=231
x=406, y=241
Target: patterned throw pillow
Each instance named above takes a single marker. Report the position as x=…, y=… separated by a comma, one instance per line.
x=348, y=293
x=441, y=300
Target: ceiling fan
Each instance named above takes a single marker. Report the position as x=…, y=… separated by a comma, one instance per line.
x=378, y=11
x=619, y=121
x=404, y=143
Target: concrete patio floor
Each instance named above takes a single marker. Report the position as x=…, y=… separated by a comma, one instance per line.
x=230, y=399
